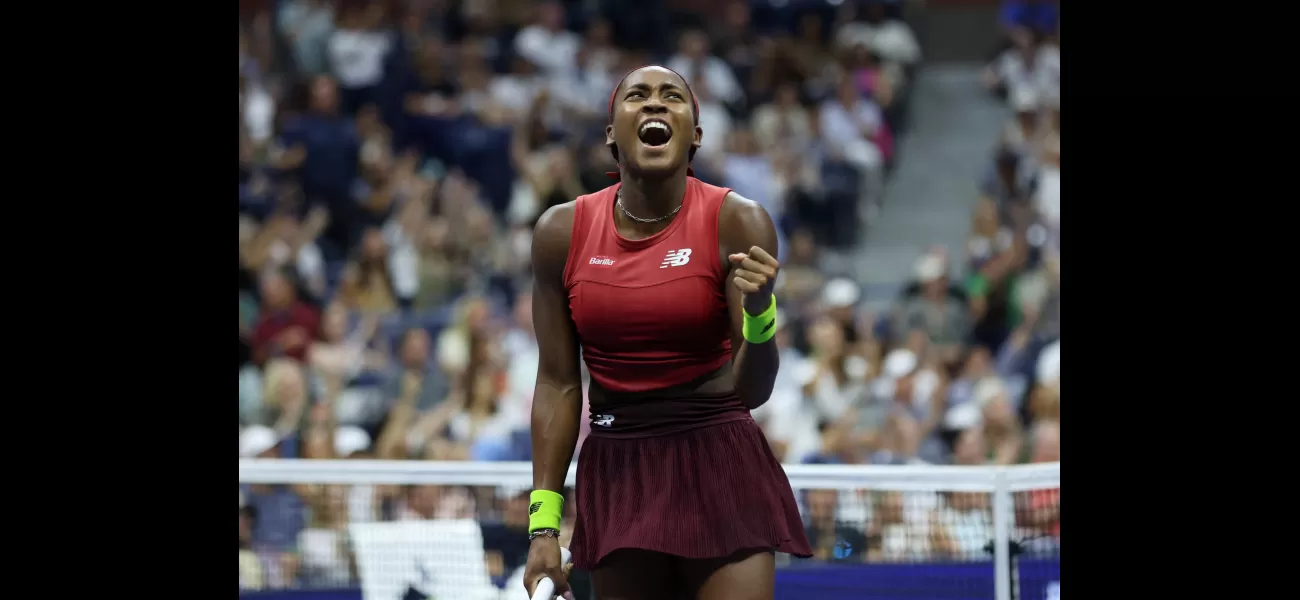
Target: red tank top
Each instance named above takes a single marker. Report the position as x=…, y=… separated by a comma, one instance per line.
x=650, y=313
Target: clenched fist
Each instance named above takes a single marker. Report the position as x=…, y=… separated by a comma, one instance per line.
x=755, y=277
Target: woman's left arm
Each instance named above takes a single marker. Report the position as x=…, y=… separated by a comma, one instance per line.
x=749, y=247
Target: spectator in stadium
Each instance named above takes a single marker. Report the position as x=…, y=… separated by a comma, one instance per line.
x=250, y=568
x=278, y=516
x=285, y=326
x=831, y=538
x=519, y=352
x=416, y=372
x=367, y=283
x=546, y=43
x=941, y=315
x=840, y=376
x=851, y=126
x=783, y=124
x=706, y=71
x=307, y=25
x=357, y=52
x=320, y=147
x=1001, y=424
x=891, y=40
x=340, y=353
x=284, y=396
x=1029, y=64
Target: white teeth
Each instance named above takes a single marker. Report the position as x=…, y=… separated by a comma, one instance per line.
x=653, y=125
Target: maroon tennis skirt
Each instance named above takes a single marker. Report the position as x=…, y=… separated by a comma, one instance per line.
x=702, y=491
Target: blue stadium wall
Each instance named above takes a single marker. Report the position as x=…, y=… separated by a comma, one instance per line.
x=1039, y=580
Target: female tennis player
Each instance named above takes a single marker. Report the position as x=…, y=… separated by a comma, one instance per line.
x=665, y=282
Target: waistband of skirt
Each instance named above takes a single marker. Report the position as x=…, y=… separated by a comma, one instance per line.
x=663, y=416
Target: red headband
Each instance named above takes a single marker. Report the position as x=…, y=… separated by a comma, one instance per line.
x=695, y=107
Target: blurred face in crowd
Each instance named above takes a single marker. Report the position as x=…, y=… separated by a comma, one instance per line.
x=551, y=15
x=599, y=33
x=423, y=499
x=415, y=348
x=324, y=95
x=373, y=247
x=277, y=293
x=737, y=16
x=821, y=504
x=803, y=248
x=826, y=337
x=787, y=96
x=694, y=44
x=890, y=508
x=653, y=125
x=742, y=142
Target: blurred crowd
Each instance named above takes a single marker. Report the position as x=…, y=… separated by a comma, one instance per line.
x=394, y=155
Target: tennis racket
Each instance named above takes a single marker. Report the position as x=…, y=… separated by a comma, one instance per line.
x=545, y=587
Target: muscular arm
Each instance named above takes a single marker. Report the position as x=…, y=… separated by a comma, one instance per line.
x=557, y=399
x=743, y=224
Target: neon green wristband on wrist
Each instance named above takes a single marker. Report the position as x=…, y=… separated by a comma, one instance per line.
x=761, y=328
x=544, y=510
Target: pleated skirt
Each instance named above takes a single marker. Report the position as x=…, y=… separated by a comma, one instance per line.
x=707, y=492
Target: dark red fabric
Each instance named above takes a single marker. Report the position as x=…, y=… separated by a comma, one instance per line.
x=651, y=313
x=707, y=492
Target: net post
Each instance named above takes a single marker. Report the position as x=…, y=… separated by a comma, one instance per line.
x=1002, y=513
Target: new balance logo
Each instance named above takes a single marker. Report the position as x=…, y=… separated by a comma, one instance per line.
x=603, y=261
x=603, y=420
x=676, y=258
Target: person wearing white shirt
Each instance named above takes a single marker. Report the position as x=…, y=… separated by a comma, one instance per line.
x=356, y=52
x=1030, y=65
x=702, y=69
x=848, y=124
x=892, y=40
x=783, y=123
x=546, y=43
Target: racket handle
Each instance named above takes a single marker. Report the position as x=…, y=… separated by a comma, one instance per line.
x=545, y=587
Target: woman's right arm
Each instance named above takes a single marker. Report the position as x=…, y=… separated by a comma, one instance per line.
x=557, y=398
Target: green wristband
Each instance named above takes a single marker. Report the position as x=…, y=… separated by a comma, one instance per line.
x=544, y=510
x=761, y=328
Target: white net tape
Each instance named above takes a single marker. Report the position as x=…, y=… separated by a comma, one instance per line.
x=426, y=530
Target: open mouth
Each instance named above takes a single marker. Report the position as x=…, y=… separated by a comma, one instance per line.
x=655, y=133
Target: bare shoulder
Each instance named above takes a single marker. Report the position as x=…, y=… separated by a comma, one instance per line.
x=743, y=223
x=551, y=237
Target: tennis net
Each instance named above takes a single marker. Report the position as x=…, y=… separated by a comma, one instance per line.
x=423, y=530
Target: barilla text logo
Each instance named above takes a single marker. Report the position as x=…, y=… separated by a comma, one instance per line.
x=603, y=261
